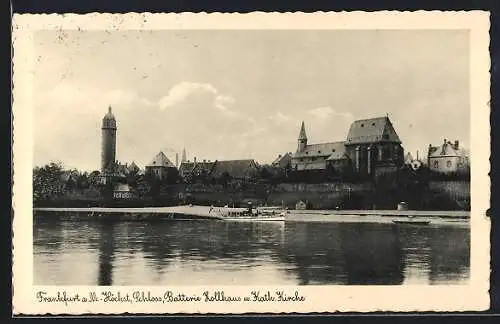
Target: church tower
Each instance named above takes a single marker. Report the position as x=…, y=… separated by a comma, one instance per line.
x=183, y=158
x=302, y=141
x=108, y=148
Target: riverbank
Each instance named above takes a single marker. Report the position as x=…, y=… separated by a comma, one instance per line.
x=203, y=212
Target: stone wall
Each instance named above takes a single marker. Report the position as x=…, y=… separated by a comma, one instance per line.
x=322, y=195
x=435, y=195
x=453, y=189
x=449, y=194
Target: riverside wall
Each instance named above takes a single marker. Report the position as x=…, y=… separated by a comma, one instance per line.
x=437, y=195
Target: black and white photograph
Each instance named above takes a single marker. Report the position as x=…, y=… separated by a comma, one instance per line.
x=304, y=157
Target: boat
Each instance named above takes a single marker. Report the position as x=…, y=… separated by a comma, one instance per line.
x=412, y=222
x=253, y=218
x=264, y=214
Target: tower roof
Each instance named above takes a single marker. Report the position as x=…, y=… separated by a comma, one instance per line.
x=302, y=134
x=109, y=120
x=109, y=115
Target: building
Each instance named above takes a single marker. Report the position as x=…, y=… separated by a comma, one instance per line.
x=195, y=170
x=183, y=159
x=373, y=145
x=448, y=158
x=316, y=156
x=236, y=169
x=124, y=191
x=133, y=168
x=160, y=167
x=108, y=147
x=282, y=161
x=411, y=162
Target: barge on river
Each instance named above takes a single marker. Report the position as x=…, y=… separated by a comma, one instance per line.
x=263, y=214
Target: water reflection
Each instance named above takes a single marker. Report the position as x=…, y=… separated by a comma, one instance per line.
x=210, y=252
x=106, y=254
x=373, y=255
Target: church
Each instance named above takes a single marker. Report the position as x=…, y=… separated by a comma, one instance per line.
x=372, y=147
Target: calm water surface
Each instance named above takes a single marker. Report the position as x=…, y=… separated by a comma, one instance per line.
x=222, y=253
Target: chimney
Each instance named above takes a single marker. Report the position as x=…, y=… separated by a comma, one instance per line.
x=176, y=159
x=417, y=155
x=204, y=160
x=445, y=141
x=456, y=145
x=194, y=159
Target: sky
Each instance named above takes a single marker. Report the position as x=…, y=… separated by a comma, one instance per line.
x=239, y=94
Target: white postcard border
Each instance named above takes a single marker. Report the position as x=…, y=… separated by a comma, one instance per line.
x=317, y=298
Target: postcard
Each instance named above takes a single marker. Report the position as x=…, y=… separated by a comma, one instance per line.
x=230, y=163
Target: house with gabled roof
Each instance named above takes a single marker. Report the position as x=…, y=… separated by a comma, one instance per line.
x=160, y=166
x=283, y=161
x=447, y=158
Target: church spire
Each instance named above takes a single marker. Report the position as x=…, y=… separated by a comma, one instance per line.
x=183, y=158
x=302, y=141
x=302, y=134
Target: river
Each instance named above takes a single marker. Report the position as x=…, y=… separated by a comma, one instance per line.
x=208, y=252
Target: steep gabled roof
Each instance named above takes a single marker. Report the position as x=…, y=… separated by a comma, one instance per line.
x=132, y=167
x=190, y=167
x=447, y=149
x=239, y=169
x=161, y=160
x=371, y=131
x=281, y=158
x=322, y=149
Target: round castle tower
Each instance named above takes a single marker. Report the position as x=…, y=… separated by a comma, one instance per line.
x=108, y=149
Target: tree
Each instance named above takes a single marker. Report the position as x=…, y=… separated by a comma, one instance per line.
x=143, y=186
x=265, y=172
x=94, y=179
x=47, y=181
x=225, y=178
x=82, y=180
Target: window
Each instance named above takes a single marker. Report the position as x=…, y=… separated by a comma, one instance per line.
x=313, y=158
x=333, y=150
x=319, y=151
x=362, y=125
x=436, y=164
x=448, y=164
x=307, y=152
x=373, y=124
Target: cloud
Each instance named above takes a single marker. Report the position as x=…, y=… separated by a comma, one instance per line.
x=328, y=112
x=181, y=91
x=222, y=101
x=279, y=118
